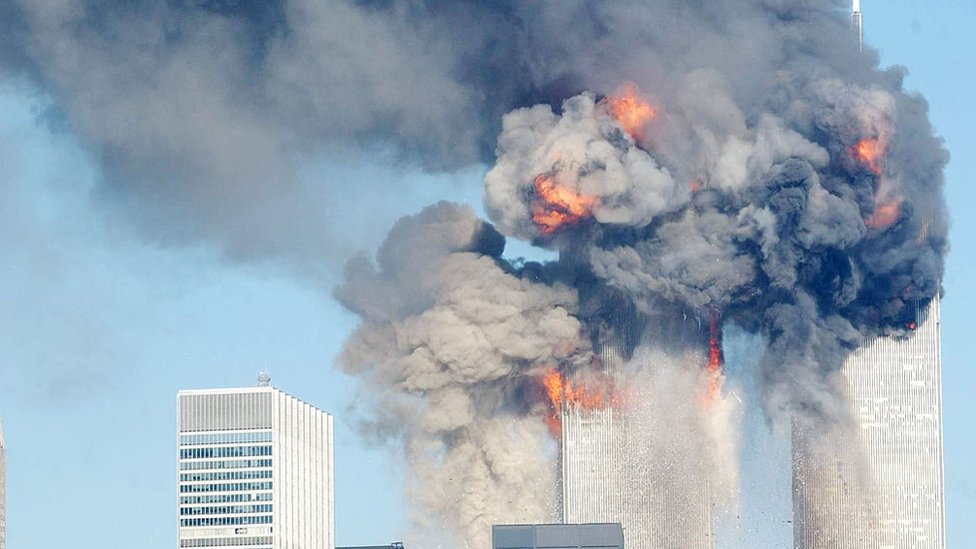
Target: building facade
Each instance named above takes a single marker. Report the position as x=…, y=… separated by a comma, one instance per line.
x=255, y=470
x=882, y=486
x=557, y=536
x=3, y=495
x=613, y=473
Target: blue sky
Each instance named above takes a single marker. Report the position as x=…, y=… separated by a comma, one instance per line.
x=100, y=328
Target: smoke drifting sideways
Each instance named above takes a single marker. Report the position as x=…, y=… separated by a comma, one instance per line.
x=205, y=115
x=756, y=166
x=811, y=213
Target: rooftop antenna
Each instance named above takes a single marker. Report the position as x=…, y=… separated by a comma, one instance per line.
x=264, y=380
x=857, y=24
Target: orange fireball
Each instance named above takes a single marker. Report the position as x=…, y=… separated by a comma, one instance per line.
x=884, y=214
x=599, y=393
x=555, y=206
x=631, y=110
x=870, y=152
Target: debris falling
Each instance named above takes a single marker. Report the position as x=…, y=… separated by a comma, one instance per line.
x=714, y=365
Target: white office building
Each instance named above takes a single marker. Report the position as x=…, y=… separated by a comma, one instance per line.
x=3, y=495
x=881, y=487
x=612, y=472
x=255, y=470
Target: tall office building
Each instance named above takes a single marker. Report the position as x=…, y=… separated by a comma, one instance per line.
x=255, y=470
x=880, y=484
x=3, y=495
x=613, y=471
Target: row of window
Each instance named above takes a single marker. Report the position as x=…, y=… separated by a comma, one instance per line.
x=226, y=521
x=226, y=509
x=225, y=451
x=226, y=438
x=226, y=498
x=226, y=475
x=223, y=542
x=224, y=464
x=228, y=487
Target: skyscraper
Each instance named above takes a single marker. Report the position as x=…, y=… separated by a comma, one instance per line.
x=882, y=485
x=255, y=470
x=611, y=473
x=620, y=466
x=3, y=495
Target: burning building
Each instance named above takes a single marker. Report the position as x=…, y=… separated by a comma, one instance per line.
x=881, y=486
x=590, y=388
x=686, y=164
x=629, y=458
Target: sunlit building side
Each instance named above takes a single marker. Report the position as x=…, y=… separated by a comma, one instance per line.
x=611, y=474
x=3, y=495
x=255, y=470
x=882, y=487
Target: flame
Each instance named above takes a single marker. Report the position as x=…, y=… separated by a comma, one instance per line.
x=870, y=152
x=631, y=110
x=561, y=392
x=553, y=383
x=884, y=214
x=555, y=206
x=714, y=365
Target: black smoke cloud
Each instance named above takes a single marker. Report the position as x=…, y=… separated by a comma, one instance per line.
x=203, y=112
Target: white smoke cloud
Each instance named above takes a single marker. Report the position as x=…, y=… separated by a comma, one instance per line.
x=450, y=351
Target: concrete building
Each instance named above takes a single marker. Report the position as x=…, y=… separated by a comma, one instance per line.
x=881, y=486
x=611, y=474
x=255, y=470
x=557, y=536
x=3, y=495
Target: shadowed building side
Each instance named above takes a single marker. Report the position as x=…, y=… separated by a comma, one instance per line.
x=557, y=536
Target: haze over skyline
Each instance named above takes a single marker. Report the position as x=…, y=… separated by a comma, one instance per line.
x=102, y=326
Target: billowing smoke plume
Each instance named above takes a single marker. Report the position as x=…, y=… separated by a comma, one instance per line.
x=796, y=196
x=206, y=114
x=786, y=224
x=736, y=158
x=451, y=348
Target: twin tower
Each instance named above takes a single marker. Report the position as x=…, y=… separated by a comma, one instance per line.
x=875, y=483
